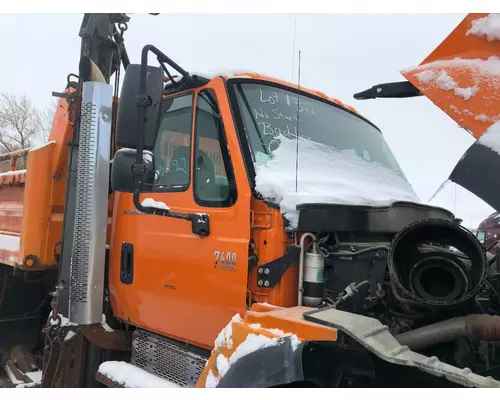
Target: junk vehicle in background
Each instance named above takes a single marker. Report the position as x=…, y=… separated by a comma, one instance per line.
x=488, y=231
x=172, y=240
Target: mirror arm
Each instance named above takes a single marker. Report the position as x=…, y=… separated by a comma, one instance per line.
x=200, y=223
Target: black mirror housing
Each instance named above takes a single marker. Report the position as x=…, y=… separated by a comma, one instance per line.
x=127, y=125
x=122, y=177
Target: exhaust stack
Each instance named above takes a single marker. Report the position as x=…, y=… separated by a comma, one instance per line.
x=88, y=251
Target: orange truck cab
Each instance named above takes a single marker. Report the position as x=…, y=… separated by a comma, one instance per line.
x=211, y=141
x=231, y=231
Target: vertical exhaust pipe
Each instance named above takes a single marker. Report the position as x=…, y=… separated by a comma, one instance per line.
x=86, y=280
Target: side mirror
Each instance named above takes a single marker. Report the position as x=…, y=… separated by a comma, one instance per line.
x=133, y=101
x=138, y=120
x=122, y=177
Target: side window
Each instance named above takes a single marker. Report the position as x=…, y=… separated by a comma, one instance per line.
x=173, y=145
x=214, y=184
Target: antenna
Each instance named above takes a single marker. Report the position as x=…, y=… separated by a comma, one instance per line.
x=298, y=121
x=294, y=37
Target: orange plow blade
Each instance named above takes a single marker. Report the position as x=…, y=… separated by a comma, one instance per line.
x=263, y=326
x=462, y=75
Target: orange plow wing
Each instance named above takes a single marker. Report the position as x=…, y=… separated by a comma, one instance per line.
x=262, y=326
x=462, y=75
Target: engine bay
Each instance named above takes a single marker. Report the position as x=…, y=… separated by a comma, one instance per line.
x=412, y=267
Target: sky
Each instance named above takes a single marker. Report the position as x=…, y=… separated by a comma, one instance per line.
x=341, y=54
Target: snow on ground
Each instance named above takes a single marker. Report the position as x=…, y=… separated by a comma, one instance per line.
x=131, y=376
x=155, y=204
x=327, y=176
x=491, y=138
x=488, y=27
x=9, y=242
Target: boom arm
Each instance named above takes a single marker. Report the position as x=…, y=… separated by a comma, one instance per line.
x=102, y=41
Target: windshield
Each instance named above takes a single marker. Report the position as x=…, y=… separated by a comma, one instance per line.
x=269, y=115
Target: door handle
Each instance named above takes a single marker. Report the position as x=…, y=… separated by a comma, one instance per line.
x=127, y=263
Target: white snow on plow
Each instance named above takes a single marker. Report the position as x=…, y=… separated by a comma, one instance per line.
x=252, y=343
x=491, y=138
x=326, y=175
x=225, y=337
x=446, y=82
x=488, y=27
x=482, y=70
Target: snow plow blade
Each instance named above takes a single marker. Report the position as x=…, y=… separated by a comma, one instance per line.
x=256, y=352
x=462, y=75
x=476, y=172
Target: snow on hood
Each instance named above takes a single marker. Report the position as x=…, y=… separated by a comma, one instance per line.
x=327, y=175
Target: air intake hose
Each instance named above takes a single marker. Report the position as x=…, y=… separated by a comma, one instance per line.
x=475, y=326
x=437, y=263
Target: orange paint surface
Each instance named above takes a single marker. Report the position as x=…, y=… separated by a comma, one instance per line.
x=464, y=58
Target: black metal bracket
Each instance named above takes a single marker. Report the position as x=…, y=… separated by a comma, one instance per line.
x=269, y=274
x=395, y=90
x=200, y=223
x=97, y=32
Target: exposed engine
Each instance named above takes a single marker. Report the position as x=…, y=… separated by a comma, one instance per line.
x=412, y=267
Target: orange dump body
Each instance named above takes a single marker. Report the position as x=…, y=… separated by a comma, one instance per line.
x=11, y=209
x=32, y=200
